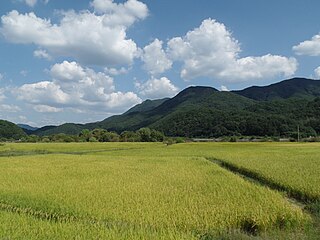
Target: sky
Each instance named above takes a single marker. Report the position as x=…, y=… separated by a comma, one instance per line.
x=83, y=61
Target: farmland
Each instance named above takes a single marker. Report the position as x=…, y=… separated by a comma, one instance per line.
x=154, y=191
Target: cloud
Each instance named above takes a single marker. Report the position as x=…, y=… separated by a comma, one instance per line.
x=9, y=108
x=31, y=3
x=40, y=53
x=47, y=109
x=1, y=76
x=115, y=71
x=73, y=86
x=317, y=72
x=309, y=47
x=211, y=51
x=155, y=59
x=24, y=73
x=120, y=14
x=157, y=88
x=2, y=95
x=224, y=89
x=88, y=37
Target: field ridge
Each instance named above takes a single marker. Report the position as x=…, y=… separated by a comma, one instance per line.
x=295, y=194
x=294, y=197
x=10, y=153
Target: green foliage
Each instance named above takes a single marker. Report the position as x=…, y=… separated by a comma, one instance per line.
x=31, y=139
x=180, y=140
x=100, y=135
x=233, y=139
x=93, y=139
x=150, y=135
x=85, y=135
x=129, y=136
x=10, y=131
x=67, y=128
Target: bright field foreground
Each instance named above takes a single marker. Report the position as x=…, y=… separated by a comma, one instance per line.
x=153, y=191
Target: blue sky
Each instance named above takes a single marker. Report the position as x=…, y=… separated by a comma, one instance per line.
x=82, y=61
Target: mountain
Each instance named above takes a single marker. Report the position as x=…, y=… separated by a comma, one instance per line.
x=190, y=99
x=274, y=110
x=9, y=130
x=67, y=128
x=44, y=129
x=27, y=127
x=295, y=87
x=146, y=105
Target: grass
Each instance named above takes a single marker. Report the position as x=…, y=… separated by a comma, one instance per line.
x=143, y=191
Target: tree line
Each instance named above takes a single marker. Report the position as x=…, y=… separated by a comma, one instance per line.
x=101, y=135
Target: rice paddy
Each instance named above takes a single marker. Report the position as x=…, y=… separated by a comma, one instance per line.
x=154, y=191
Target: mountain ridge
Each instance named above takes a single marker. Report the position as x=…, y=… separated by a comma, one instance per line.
x=294, y=87
x=9, y=130
x=208, y=111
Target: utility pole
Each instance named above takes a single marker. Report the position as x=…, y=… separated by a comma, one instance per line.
x=298, y=133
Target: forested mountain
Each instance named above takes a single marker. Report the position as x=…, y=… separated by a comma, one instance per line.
x=9, y=130
x=27, y=127
x=67, y=128
x=295, y=87
x=146, y=105
x=274, y=110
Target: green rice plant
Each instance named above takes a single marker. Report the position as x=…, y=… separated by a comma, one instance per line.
x=293, y=167
x=136, y=191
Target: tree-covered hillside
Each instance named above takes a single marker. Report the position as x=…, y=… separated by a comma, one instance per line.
x=275, y=110
x=295, y=87
x=9, y=130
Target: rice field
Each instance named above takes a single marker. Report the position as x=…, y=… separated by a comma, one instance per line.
x=149, y=191
x=292, y=167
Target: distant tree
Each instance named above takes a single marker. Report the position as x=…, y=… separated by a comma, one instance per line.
x=93, y=139
x=145, y=134
x=45, y=139
x=156, y=136
x=85, y=135
x=111, y=137
x=129, y=136
x=31, y=139
x=103, y=135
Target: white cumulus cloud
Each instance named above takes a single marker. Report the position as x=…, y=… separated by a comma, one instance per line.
x=224, y=88
x=73, y=86
x=155, y=59
x=211, y=51
x=89, y=37
x=40, y=53
x=120, y=14
x=309, y=47
x=317, y=72
x=157, y=88
x=45, y=92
